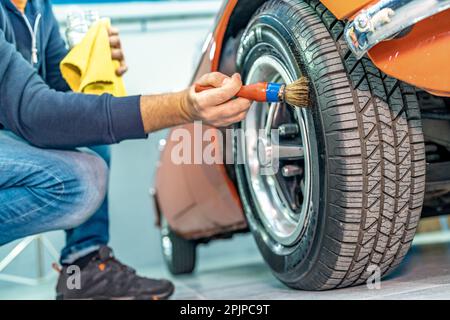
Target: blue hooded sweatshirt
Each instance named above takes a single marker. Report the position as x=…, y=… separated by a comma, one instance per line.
x=35, y=102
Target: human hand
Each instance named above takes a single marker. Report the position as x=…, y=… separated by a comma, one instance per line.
x=217, y=107
x=116, y=50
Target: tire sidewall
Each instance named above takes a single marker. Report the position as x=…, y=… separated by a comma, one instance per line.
x=290, y=264
x=182, y=258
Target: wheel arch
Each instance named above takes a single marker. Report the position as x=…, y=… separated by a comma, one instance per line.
x=232, y=18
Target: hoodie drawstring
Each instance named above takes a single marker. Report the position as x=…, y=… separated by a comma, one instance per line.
x=33, y=33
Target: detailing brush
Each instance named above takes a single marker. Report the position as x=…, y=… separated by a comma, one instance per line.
x=295, y=93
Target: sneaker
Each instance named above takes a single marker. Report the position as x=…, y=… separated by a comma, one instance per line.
x=104, y=277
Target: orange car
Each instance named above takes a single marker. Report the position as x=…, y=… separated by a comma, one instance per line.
x=357, y=169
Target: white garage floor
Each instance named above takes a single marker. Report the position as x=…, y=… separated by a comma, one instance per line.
x=425, y=274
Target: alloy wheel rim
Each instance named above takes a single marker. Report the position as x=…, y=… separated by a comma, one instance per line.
x=282, y=199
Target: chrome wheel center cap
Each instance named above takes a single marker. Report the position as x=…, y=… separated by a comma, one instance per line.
x=265, y=154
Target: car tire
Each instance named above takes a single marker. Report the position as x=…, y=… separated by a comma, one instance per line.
x=364, y=155
x=179, y=253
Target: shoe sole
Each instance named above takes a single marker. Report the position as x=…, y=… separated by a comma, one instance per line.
x=162, y=296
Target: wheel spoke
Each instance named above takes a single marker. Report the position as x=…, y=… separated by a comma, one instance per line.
x=291, y=170
x=288, y=130
x=269, y=120
x=289, y=152
x=277, y=158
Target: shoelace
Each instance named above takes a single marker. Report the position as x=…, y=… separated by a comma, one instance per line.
x=116, y=262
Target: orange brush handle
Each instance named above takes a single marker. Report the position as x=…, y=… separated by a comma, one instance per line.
x=255, y=91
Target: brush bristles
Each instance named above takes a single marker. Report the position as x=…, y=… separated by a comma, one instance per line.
x=297, y=93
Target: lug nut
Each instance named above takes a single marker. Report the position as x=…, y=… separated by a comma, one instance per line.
x=288, y=129
x=291, y=171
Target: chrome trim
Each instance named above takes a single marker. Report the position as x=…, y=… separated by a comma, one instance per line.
x=385, y=19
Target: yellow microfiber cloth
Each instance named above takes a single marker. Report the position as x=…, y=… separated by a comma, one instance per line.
x=89, y=68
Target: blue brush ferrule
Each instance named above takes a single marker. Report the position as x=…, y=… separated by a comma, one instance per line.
x=272, y=92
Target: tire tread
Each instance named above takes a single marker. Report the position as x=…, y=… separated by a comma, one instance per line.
x=375, y=149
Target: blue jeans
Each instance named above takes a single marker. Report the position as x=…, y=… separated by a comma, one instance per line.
x=43, y=190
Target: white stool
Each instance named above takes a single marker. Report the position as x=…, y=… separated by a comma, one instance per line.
x=42, y=244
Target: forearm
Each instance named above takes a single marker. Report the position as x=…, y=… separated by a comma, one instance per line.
x=52, y=119
x=215, y=107
x=165, y=111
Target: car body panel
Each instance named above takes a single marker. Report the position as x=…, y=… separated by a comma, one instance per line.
x=347, y=8
x=421, y=57
x=197, y=200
